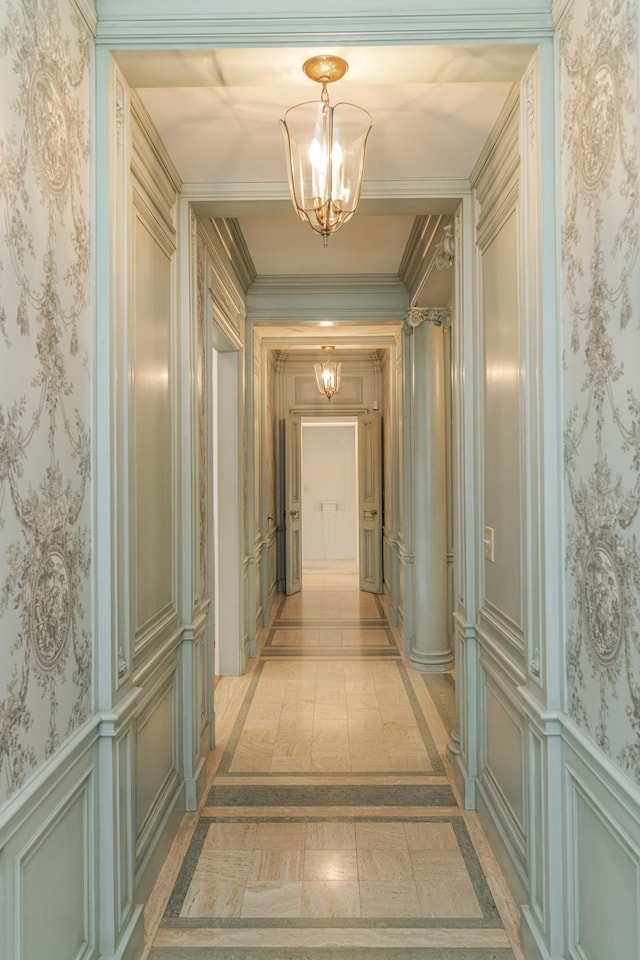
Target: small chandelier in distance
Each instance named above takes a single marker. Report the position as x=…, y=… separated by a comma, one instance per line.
x=325, y=149
x=328, y=374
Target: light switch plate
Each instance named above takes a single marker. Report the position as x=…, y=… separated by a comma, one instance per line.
x=489, y=541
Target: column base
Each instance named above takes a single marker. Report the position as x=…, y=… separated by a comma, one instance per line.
x=453, y=747
x=435, y=661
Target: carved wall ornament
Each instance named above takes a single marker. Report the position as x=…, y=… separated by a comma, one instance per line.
x=603, y=605
x=50, y=614
x=597, y=125
x=49, y=131
x=530, y=97
x=438, y=316
x=445, y=249
x=120, y=111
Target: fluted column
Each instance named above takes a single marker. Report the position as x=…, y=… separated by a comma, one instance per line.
x=430, y=650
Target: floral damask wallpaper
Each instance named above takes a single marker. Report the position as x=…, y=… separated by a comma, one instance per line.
x=45, y=647
x=601, y=271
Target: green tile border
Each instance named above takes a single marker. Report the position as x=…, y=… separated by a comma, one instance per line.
x=331, y=795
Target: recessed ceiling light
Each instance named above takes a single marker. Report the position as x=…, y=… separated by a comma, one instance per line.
x=326, y=323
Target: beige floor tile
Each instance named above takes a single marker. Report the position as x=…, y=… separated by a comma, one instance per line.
x=213, y=898
x=431, y=836
x=330, y=898
x=293, y=730
x=389, y=836
x=380, y=865
x=276, y=864
x=409, y=761
x=271, y=899
x=439, y=865
x=361, y=746
x=338, y=747
x=399, y=899
x=340, y=764
x=330, y=865
x=330, y=836
x=365, y=725
x=249, y=763
x=229, y=836
x=223, y=865
x=291, y=748
x=290, y=765
x=447, y=898
x=377, y=764
x=287, y=836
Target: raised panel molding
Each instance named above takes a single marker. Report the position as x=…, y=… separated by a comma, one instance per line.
x=56, y=882
x=502, y=763
x=604, y=879
x=156, y=757
x=49, y=857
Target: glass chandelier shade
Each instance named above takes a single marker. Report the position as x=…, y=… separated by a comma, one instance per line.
x=325, y=148
x=328, y=374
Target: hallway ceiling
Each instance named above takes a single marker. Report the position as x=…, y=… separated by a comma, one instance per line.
x=217, y=112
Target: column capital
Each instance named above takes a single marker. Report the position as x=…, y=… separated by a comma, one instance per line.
x=438, y=316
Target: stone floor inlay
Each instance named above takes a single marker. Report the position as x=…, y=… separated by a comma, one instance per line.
x=331, y=829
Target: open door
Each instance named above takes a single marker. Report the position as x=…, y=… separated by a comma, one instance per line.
x=293, y=506
x=370, y=496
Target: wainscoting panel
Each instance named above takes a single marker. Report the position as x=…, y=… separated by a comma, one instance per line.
x=603, y=856
x=124, y=838
x=48, y=865
x=55, y=884
x=502, y=759
x=156, y=757
x=153, y=494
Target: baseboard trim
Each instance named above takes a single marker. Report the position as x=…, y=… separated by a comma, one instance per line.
x=499, y=841
x=155, y=856
x=132, y=940
x=194, y=786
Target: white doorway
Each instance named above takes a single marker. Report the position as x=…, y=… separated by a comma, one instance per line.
x=329, y=508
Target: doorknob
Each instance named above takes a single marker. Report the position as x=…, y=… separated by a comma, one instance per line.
x=373, y=513
x=293, y=513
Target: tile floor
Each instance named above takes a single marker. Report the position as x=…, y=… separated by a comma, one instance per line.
x=331, y=829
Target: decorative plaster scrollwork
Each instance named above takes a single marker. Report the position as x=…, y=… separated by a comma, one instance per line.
x=438, y=316
x=445, y=250
x=530, y=96
x=120, y=108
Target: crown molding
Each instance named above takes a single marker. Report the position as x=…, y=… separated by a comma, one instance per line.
x=87, y=10
x=195, y=24
x=372, y=297
x=276, y=193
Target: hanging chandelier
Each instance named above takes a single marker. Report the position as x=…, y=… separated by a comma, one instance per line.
x=325, y=149
x=328, y=374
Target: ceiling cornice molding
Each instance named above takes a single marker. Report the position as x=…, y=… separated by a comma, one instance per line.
x=317, y=283
x=121, y=23
x=453, y=188
x=234, y=243
x=335, y=298
x=87, y=10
